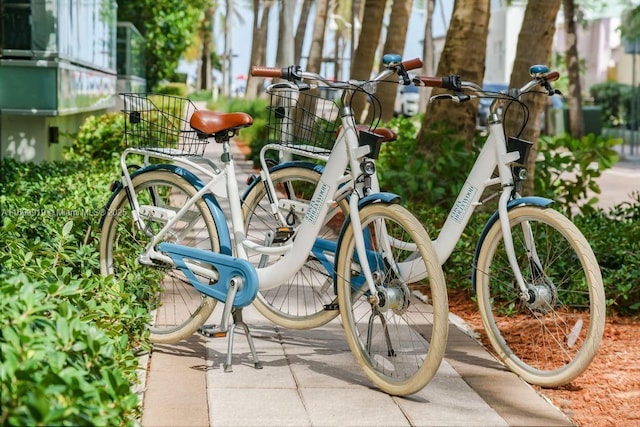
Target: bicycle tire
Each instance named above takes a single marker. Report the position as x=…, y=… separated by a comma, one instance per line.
x=178, y=308
x=402, y=352
x=300, y=302
x=551, y=339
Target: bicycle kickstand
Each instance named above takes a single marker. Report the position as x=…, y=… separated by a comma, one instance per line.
x=237, y=320
x=227, y=330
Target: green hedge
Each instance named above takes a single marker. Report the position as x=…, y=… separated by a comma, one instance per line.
x=68, y=335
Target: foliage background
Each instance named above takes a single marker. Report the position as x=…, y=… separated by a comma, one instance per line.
x=168, y=27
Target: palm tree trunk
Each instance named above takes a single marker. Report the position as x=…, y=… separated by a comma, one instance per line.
x=259, y=45
x=317, y=40
x=428, y=52
x=396, y=37
x=364, y=55
x=301, y=30
x=285, y=55
x=205, y=30
x=464, y=54
x=534, y=47
x=576, y=124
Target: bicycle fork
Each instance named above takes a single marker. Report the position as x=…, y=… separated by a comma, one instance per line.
x=529, y=242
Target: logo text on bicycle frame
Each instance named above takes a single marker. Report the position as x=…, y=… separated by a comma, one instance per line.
x=316, y=204
x=461, y=206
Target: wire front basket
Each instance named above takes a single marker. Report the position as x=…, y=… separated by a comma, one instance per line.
x=160, y=123
x=302, y=119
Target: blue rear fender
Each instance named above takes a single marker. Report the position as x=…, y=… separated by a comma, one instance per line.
x=541, y=202
x=224, y=236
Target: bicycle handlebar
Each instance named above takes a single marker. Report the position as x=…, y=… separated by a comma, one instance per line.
x=294, y=73
x=412, y=64
x=454, y=83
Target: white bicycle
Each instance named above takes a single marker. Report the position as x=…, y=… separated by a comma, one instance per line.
x=538, y=282
x=165, y=219
x=309, y=298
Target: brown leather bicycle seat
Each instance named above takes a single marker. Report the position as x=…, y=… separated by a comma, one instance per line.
x=212, y=122
x=386, y=135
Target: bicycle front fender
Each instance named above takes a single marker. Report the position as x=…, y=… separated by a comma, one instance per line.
x=541, y=202
x=224, y=235
x=365, y=201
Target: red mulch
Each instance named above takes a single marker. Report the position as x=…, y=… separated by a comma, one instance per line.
x=608, y=392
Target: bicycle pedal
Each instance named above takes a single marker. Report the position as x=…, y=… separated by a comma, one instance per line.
x=331, y=307
x=212, y=332
x=282, y=234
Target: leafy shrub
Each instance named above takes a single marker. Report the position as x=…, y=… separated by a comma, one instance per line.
x=99, y=137
x=59, y=366
x=200, y=95
x=614, y=236
x=68, y=333
x=420, y=181
x=567, y=169
x=175, y=89
x=615, y=99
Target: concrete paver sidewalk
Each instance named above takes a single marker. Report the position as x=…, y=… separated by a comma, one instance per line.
x=310, y=378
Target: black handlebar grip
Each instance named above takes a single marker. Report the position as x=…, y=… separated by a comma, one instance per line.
x=451, y=82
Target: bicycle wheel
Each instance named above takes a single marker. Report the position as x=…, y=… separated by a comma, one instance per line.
x=551, y=338
x=179, y=308
x=400, y=341
x=300, y=302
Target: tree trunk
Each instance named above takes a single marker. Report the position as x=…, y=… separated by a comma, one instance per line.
x=204, y=75
x=464, y=54
x=284, y=55
x=534, y=47
x=428, y=53
x=301, y=31
x=576, y=124
x=317, y=40
x=259, y=46
x=396, y=37
x=364, y=55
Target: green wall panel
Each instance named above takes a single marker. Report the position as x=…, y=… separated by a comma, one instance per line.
x=28, y=87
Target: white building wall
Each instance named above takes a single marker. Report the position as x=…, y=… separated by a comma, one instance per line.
x=26, y=138
x=502, y=42
x=597, y=47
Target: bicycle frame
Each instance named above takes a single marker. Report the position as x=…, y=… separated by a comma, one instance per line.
x=222, y=182
x=493, y=155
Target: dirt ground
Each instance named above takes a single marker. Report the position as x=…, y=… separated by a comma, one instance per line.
x=608, y=392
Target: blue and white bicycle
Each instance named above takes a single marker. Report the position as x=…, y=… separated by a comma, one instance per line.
x=166, y=217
